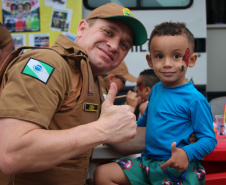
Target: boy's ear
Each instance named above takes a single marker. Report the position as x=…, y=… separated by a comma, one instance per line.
x=148, y=58
x=192, y=60
x=147, y=90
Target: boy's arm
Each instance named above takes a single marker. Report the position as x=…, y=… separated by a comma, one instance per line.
x=202, y=123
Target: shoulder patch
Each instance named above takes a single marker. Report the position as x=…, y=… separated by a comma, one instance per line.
x=38, y=69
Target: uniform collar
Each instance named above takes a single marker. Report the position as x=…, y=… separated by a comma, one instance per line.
x=74, y=54
x=70, y=48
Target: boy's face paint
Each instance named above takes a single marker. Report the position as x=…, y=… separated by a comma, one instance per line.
x=186, y=56
x=140, y=85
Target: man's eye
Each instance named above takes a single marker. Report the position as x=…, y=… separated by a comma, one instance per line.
x=108, y=32
x=124, y=46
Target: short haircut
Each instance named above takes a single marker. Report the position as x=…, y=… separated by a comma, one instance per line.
x=149, y=78
x=172, y=29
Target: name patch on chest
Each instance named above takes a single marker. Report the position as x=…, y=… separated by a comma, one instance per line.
x=89, y=107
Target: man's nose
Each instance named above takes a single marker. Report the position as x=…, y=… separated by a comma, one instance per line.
x=114, y=44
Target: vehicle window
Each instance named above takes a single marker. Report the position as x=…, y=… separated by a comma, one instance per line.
x=142, y=4
x=165, y=4
x=216, y=11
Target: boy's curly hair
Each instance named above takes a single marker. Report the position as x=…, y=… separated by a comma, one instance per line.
x=172, y=29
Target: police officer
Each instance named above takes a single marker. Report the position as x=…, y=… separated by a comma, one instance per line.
x=50, y=101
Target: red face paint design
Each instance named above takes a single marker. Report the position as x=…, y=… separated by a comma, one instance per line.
x=140, y=85
x=186, y=56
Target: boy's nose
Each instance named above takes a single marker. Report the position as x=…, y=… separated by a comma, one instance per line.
x=167, y=62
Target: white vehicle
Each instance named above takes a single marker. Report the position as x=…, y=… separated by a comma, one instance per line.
x=153, y=12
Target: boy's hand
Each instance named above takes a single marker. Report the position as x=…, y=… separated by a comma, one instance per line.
x=178, y=160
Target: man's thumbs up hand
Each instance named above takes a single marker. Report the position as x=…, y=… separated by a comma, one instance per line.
x=111, y=96
x=116, y=122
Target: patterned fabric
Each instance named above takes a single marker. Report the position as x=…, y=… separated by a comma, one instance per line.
x=143, y=171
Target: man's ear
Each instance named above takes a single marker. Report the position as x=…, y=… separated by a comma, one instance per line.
x=148, y=58
x=192, y=60
x=82, y=27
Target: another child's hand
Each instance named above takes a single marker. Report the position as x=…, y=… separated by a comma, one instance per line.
x=132, y=99
x=178, y=160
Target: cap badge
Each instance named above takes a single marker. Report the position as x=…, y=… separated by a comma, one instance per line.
x=127, y=12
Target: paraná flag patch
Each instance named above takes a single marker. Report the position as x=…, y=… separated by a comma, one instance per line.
x=38, y=69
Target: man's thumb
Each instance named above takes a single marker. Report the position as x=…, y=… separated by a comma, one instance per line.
x=111, y=94
x=173, y=147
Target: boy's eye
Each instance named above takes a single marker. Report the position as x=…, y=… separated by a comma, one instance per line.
x=176, y=56
x=159, y=56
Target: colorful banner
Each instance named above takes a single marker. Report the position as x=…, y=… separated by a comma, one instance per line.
x=41, y=24
x=21, y=15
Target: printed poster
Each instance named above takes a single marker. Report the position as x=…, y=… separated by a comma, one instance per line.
x=21, y=15
x=56, y=3
x=19, y=41
x=41, y=39
x=61, y=19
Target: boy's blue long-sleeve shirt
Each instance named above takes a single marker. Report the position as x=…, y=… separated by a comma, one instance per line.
x=173, y=114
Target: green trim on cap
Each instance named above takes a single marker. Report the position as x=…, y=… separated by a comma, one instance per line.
x=139, y=31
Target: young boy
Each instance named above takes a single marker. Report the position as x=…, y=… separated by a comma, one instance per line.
x=175, y=110
x=138, y=99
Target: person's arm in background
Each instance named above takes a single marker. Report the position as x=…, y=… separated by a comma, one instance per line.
x=4, y=52
x=26, y=147
x=142, y=107
x=132, y=99
x=6, y=44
